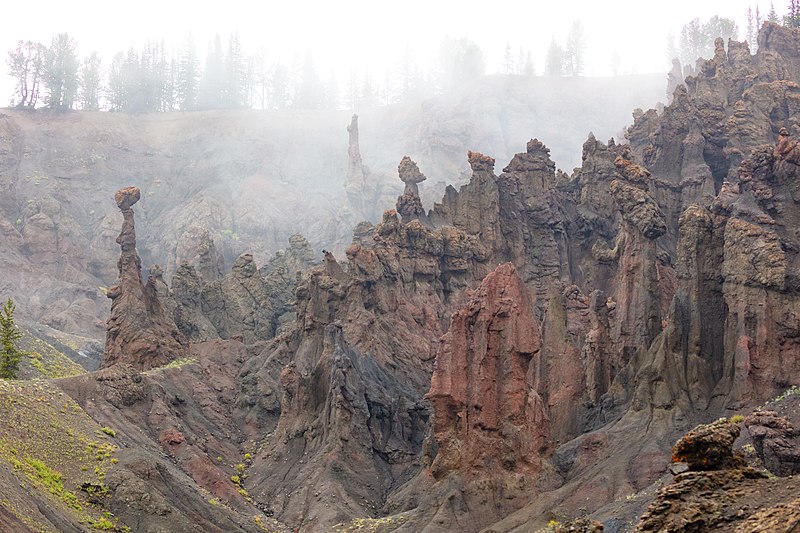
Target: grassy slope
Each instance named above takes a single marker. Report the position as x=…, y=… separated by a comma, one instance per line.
x=58, y=455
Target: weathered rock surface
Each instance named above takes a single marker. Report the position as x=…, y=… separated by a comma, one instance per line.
x=719, y=493
x=776, y=440
x=708, y=446
x=610, y=311
x=487, y=414
x=140, y=333
x=250, y=179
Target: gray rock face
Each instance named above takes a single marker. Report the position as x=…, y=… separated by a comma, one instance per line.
x=776, y=440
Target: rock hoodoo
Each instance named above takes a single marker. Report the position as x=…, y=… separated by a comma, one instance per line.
x=139, y=332
x=409, y=205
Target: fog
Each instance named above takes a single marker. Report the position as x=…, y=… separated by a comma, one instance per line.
x=368, y=36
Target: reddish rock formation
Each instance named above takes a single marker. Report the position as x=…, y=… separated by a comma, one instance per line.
x=139, y=332
x=487, y=414
x=708, y=446
x=654, y=288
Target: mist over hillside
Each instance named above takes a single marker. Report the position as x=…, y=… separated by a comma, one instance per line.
x=250, y=179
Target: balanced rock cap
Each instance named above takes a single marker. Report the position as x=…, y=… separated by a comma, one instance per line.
x=127, y=196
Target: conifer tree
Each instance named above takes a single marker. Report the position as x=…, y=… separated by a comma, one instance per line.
x=90, y=83
x=10, y=355
x=61, y=72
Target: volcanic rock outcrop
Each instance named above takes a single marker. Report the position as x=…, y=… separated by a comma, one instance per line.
x=530, y=348
x=409, y=205
x=139, y=332
x=487, y=414
x=719, y=492
x=776, y=441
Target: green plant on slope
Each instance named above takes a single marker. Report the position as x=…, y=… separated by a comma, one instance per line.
x=10, y=355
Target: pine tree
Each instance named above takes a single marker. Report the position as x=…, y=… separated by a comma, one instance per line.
x=90, y=83
x=235, y=90
x=576, y=49
x=10, y=355
x=212, y=83
x=554, y=60
x=508, y=61
x=117, y=96
x=529, y=69
x=772, y=16
x=792, y=18
x=751, y=31
x=61, y=72
x=188, y=76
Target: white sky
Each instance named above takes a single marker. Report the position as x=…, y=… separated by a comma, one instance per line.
x=359, y=34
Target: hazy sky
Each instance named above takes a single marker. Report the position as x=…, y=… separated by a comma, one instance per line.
x=358, y=34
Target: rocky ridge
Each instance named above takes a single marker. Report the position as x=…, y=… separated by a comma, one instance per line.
x=528, y=348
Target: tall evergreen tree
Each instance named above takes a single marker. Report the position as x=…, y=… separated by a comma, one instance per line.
x=575, y=53
x=308, y=95
x=697, y=38
x=529, y=67
x=554, y=60
x=90, y=82
x=259, y=86
x=410, y=77
x=61, y=72
x=10, y=355
x=792, y=18
x=117, y=86
x=772, y=16
x=212, y=83
x=235, y=90
x=279, y=96
x=188, y=76
x=459, y=61
x=508, y=60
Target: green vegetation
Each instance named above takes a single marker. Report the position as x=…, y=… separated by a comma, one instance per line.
x=10, y=354
x=108, y=431
x=792, y=391
x=53, y=447
x=737, y=419
x=372, y=525
x=177, y=363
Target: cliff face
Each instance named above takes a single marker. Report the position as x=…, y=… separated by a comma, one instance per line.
x=57, y=242
x=654, y=287
x=487, y=413
x=529, y=347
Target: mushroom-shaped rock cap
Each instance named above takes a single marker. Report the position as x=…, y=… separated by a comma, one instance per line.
x=479, y=161
x=409, y=171
x=126, y=197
